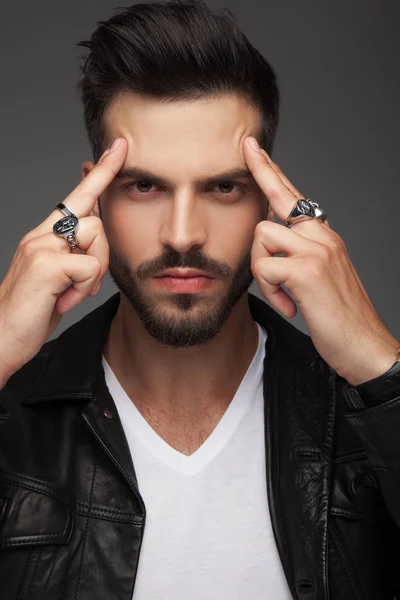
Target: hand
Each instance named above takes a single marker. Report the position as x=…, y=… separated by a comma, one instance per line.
x=37, y=289
x=317, y=272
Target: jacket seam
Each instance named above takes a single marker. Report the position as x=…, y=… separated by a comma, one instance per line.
x=29, y=483
x=347, y=564
x=343, y=512
x=112, y=515
x=387, y=469
x=29, y=574
x=85, y=532
x=350, y=455
x=13, y=540
x=375, y=409
x=50, y=577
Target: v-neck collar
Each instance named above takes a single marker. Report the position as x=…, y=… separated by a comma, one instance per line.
x=137, y=428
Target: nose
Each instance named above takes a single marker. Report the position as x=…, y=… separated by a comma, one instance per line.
x=184, y=225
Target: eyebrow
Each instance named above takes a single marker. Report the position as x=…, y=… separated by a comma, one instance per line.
x=135, y=173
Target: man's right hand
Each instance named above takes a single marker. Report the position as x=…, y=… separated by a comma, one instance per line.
x=46, y=279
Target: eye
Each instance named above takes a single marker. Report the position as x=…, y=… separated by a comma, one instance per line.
x=226, y=187
x=143, y=186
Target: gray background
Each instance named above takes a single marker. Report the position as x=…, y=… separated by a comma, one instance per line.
x=338, y=142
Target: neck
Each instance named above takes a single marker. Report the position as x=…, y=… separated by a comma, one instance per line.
x=188, y=380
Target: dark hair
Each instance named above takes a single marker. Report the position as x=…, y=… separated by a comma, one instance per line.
x=175, y=50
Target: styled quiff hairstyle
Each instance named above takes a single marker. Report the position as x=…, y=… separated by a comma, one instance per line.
x=173, y=51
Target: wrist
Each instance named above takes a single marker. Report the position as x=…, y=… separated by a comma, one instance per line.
x=5, y=374
x=6, y=370
x=376, y=391
x=380, y=364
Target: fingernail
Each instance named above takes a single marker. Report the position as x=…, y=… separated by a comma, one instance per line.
x=116, y=144
x=254, y=144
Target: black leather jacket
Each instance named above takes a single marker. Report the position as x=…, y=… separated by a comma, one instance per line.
x=71, y=515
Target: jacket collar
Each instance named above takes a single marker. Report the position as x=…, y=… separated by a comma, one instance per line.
x=69, y=367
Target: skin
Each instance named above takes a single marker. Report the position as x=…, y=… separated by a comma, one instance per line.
x=181, y=142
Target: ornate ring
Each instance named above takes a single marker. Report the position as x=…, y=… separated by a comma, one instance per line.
x=305, y=209
x=66, y=226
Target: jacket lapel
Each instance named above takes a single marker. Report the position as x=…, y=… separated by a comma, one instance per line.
x=109, y=433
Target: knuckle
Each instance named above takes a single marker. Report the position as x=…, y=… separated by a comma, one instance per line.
x=315, y=267
x=335, y=241
x=96, y=265
x=96, y=224
x=261, y=228
x=25, y=241
x=258, y=267
x=28, y=247
x=324, y=253
x=40, y=259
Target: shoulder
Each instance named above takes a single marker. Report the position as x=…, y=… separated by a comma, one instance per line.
x=68, y=365
x=25, y=378
x=280, y=331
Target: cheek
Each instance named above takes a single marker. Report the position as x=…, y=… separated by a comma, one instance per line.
x=127, y=230
x=234, y=228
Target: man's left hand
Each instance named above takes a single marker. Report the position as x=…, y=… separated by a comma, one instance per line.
x=317, y=272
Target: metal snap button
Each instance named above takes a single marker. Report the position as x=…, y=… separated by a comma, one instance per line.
x=108, y=414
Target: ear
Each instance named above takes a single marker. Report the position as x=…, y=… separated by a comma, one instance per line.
x=86, y=168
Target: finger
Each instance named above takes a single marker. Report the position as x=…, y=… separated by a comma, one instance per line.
x=270, y=274
x=294, y=190
x=271, y=238
x=280, y=197
x=83, y=271
x=83, y=198
x=282, y=176
x=91, y=239
x=101, y=250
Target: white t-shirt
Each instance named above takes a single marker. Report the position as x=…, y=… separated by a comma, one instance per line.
x=208, y=533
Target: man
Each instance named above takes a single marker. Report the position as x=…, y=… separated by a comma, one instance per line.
x=184, y=440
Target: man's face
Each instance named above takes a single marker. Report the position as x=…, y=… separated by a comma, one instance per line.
x=180, y=209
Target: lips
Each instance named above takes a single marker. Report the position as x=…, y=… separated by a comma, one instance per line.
x=179, y=281
x=183, y=273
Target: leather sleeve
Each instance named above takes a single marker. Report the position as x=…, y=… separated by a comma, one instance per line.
x=379, y=390
x=375, y=418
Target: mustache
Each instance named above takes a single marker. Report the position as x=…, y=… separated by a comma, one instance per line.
x=172, y=259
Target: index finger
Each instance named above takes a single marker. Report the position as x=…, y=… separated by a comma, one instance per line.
x=281, y=198
x=82, y=199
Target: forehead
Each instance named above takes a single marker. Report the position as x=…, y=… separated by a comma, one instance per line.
x=204, y=131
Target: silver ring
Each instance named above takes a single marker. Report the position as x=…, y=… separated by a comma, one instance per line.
x=305, y=209
x=66, y=226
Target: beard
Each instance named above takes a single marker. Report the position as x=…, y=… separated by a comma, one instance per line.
x=199, y=319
